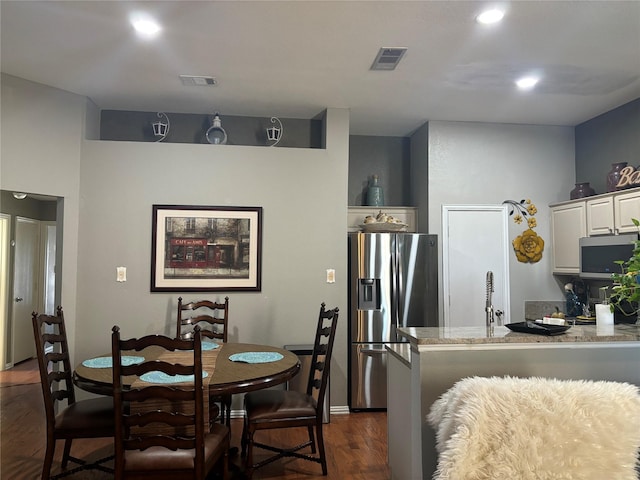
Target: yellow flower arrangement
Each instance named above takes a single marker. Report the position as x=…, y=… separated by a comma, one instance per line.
x=528, y=246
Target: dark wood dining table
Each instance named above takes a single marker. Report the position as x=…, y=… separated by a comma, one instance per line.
x=224, y=375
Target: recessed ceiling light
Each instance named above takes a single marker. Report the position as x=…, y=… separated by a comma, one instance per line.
x=19, y=195
x=145, y=25
x=527, y=83
x=490, y=16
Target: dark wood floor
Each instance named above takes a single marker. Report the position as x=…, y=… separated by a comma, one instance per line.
x=356, y=443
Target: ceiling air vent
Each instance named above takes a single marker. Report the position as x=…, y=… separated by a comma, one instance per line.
x=197, y=81
x=388, y=58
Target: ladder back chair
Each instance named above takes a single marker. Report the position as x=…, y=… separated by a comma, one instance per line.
x=160, y=432
x=92, y=418
x=269, y=409
x=213, y=319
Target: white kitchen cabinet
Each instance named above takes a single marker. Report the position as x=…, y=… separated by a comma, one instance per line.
x=612, y=213
x=600, y=220
x=625, y=207
x=355, y=216
x=568, y=224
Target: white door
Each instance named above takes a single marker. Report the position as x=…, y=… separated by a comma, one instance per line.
x=475, y=241
x=25, y=287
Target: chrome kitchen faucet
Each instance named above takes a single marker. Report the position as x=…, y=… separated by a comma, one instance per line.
x=489, y=303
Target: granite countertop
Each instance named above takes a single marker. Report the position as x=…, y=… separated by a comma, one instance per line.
x=501, y=335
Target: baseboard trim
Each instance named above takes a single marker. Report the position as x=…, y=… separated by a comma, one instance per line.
x=335, y=410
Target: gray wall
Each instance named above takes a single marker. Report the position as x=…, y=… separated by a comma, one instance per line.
x=608, y=138
x=483, y=163
x=387, y=157
x=419, y=174
x=48, y=163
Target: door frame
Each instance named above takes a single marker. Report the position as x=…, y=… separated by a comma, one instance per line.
x=5, y=281
x=500, y=210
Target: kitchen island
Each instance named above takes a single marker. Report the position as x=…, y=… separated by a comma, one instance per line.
x=437, y=357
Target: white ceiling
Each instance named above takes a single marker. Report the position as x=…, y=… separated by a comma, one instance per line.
x=292, y=59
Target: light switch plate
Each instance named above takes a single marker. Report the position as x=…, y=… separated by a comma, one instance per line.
x=331, y=275
x=121, y=274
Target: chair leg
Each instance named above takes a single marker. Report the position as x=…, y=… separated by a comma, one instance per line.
x=243, y=438
x=312, y=439
x=66, y=452
x=249, y=461
x=48, y=457
x=227, y=408
x=323, y=458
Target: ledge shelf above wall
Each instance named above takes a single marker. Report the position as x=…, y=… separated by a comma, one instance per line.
x=356, y=214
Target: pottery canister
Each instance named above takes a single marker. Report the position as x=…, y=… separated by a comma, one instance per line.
x=613, y=177
x=581, y=190
x=375, y=195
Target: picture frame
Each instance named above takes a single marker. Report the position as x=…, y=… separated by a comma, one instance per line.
x=206, y=248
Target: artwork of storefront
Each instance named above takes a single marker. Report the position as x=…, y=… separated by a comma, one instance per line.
x=200, y=253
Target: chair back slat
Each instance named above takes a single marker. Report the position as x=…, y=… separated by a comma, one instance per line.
x=157, y=365
x=211, y=317
x=170, y=393
x=161, y=441
x=321, y=357
x=55, y=368
x=141, y=343
x=160, y=415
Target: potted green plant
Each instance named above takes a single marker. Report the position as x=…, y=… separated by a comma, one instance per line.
x=625, y=295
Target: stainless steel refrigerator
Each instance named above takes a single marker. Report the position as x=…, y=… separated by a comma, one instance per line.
x=393, y=282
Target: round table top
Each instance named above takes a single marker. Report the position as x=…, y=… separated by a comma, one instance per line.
x=228, y=377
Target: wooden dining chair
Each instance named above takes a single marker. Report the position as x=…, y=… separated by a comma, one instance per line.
x=269, y=409
x=92, y=418
x=160, y=433
x=213, y=319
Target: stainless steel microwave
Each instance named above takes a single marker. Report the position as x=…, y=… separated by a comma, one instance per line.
x=598, y=254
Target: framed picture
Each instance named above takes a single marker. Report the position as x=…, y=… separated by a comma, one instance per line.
x=198, y=248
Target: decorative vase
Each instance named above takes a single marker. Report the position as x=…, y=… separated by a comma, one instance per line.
x=582, y=190
x=375, y=195
x=613, y=177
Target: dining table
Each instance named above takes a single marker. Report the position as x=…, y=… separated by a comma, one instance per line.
x=231, y=368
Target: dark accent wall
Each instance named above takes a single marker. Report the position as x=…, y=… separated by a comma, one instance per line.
x=134, y=126
x=387, y=157
x=608, y=138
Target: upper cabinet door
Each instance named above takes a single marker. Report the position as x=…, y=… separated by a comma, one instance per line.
x=627, y=206
x=600, y=216
x=568, y=224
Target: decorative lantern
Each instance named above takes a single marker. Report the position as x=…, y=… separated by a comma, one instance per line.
x=216, y=134
x=160, y=128
x=274, y=134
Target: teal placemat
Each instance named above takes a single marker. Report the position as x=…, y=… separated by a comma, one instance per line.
x=256, y=357
x=210, y=346
x=106, y=362
x=161, y=377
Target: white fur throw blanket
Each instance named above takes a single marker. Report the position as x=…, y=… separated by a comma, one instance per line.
x=537, y=429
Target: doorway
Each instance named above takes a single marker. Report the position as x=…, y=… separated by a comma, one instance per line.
x=29, y=231
x=26, y=288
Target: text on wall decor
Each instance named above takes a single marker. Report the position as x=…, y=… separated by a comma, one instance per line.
x=629, y=177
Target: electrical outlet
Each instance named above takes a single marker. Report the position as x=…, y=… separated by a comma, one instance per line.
x=331, y=275
x=121, y=274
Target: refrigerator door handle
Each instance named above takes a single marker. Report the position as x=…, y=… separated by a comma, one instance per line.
x=394, y=286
